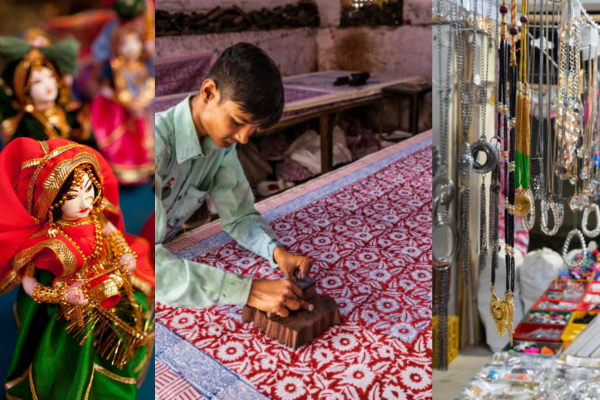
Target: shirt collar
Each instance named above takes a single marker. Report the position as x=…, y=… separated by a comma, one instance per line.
x=187, y=144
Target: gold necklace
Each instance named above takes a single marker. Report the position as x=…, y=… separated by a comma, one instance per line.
x=69, y=224
x=51, y=118
x=97, y=244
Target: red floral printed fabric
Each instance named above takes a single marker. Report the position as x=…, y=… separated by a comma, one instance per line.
x=371, y=247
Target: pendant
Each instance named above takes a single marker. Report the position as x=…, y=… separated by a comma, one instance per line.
x=537, y=176
x=491, y=156
x=52, y=232
x=529, y=219
x=522, y=203
x=574, y=203
x=503, y=313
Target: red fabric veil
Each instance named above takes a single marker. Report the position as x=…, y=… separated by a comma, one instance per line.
x=31, y=174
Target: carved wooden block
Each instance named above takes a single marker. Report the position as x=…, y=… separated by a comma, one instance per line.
x=302, y=326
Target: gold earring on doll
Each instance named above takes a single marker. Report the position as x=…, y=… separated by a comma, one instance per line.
x=52, y=231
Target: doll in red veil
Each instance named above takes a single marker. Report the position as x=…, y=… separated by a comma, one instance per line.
x=85, y=305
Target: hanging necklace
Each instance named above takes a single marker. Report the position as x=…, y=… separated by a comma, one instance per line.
x=443, y=194
x=499, y=115
x=482, y=145
x=522, y=201
x=535, y=166
x=502, y=311
x=551, y=202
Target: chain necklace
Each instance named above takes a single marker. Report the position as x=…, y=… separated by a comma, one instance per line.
x=443, y=219
x=550, y=202
x=465, y=160
x=522, y=202
x=536, y=163
x=502, y=311
x=482, y=145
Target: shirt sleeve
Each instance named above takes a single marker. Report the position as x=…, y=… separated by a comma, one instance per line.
x=184, y=283
x=234, y=201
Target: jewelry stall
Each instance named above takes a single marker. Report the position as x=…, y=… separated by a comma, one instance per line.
x=515, y=198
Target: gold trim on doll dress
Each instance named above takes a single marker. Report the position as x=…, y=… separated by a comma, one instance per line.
x=31, y=386
x=9, y=282
x=142, y=285
x=113, y=376
x=62, y=252
x=87, y=392
x=16, y=381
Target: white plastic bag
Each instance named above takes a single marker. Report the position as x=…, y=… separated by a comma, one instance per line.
x=306, y=150
x=539, y=268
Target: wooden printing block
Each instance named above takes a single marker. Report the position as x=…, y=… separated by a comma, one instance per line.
x=301, y=327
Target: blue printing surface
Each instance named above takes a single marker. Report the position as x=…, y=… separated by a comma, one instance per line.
x=208, y=376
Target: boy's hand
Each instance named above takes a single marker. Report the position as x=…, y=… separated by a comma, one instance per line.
x=292, y=265
x=277, y=297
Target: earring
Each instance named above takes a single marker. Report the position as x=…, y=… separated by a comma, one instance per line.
x=52, y=231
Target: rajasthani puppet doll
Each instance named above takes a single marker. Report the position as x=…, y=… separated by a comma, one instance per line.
x=122, y=112
x=85, y=305
x=34, y=98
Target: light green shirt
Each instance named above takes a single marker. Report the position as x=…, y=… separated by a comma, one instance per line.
x=187, y=169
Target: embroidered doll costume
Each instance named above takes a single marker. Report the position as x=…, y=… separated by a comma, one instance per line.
x=86, y=328
x=34, y=99
x=122, y=114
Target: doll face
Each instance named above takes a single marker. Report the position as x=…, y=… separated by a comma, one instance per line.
x=44, y=87
x=130, y=46
x=78, y=204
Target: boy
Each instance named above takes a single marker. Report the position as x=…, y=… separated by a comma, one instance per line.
x=196, y=156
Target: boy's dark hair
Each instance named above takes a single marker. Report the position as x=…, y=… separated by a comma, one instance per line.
x=246, y=75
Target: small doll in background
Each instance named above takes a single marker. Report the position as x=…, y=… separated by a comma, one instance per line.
x=35, y=96
x=122, y=115
x=87, y=296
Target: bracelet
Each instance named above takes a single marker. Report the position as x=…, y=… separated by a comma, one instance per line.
x=45, y=294
x=119, y=245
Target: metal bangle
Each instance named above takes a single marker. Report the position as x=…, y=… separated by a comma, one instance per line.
x=444, y=219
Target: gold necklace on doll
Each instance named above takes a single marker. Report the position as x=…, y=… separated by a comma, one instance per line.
x=98, y=242
x=52, y=117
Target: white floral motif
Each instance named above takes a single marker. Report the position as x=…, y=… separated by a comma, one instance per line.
x=230, y=351
x=404, y=332
x=331, y=282
x=421, y=275
x=415, y=378
x=183, y=321
x=387, y=305
x=344, y=342
x=290, y=388
x=380, y=275
x=359, y=375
